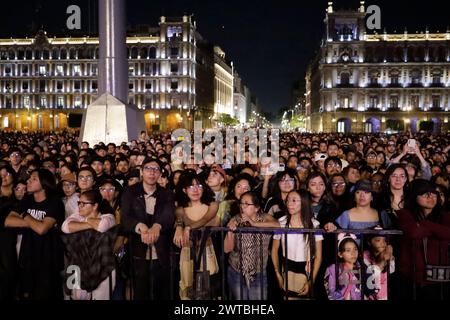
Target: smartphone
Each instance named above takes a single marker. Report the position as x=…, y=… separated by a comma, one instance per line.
x=411, y=145
x=281, y=167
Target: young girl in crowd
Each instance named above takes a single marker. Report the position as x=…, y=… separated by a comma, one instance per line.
x=343, y=280
x=378, y=260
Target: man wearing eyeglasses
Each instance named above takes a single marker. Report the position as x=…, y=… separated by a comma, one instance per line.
x=15, y=159
x=148, y=214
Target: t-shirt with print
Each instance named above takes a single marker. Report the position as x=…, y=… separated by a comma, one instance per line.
x=41, y=256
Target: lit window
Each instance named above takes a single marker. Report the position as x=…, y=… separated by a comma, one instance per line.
x=76, y=69
x=26, y=101
x=43, y=102
x=42, y=70
x=59, y=69
x=77, y=102
x=60, y=101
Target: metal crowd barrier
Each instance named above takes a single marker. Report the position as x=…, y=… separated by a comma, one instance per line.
x=202, y=289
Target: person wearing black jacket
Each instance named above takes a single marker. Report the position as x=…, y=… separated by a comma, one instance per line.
x=148, y=214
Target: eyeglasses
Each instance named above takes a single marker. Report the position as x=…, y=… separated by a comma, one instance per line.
x=287, y=180
x=20, y=189
x=333, y=165
x=195, y=187
x=245, y=204
x=338, y=184
x=85, y=178
x=151, y=169
x=429, y=195
x=15, y=154
x=110, y=189
x=377, y=182
x=68, y=184
x=83, y=203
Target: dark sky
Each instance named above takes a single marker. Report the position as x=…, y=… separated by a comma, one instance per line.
x=269, y=41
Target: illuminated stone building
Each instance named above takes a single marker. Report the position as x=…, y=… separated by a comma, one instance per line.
x=361, y=82
x=47, y=82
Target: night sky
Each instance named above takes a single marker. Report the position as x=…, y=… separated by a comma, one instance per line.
x=270, y=42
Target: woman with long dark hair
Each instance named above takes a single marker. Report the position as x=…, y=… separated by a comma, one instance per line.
x=392, y=197
x=426, y=237
x=196, y=208
x=299, y=247
x=230, y=206
x=280, y=185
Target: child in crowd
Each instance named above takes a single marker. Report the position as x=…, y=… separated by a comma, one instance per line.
x=376, y=260
x=343, y=281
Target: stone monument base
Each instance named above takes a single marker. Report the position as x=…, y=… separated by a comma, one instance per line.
x=108, y=119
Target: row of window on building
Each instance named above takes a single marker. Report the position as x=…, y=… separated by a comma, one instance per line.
x=91, y=69
x=374, y=102
x=173, y=52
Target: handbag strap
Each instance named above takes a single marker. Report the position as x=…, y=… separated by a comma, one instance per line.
x=425, y=249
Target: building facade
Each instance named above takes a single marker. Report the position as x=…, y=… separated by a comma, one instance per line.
x=223, y=83
x=46, y=83
x=240, y=101
x=361, y=82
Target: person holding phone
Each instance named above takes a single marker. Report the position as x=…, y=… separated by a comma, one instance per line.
x=412, y=148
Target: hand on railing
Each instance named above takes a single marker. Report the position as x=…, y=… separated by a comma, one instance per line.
x=181, y=237
x=232, y=225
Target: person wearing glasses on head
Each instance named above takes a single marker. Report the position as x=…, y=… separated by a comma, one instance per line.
x=247, y=276
x=422, y=218
x=148, y=214
x=196, y=208
x=95, y=213
x=40, y=215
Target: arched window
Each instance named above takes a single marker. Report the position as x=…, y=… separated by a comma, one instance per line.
x=55, y=54
x=152, y=53
x=63, y=54
x=134, y=53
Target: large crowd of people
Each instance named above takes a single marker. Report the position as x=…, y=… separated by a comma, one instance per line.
x=122, y=221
